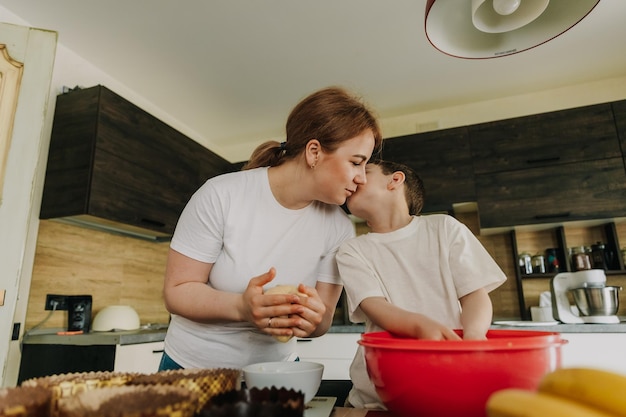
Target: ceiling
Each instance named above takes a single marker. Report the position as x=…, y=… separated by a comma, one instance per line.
x=231, y=70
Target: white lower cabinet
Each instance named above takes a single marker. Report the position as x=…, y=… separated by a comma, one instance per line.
x=595, y=350
x=139, y=357
x=336, y=351
x=333, y=350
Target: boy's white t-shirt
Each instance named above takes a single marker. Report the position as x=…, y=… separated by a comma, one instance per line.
x=235, y=222
x=425, y=267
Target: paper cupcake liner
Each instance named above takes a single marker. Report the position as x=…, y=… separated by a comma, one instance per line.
x=25, y=402
x=205, y=382
x=130, y=401
x=254, y=402
x=70, y=384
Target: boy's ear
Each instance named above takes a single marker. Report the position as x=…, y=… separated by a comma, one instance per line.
x=397, y=179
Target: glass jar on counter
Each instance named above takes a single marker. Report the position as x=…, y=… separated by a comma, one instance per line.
x=539, y=264
x=525, y=264
x=580, y=258
x=598, y=256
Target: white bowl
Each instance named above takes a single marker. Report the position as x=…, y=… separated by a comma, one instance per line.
x=299, y=376
x=118, y=317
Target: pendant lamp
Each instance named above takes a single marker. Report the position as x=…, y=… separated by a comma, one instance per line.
x=479, y=29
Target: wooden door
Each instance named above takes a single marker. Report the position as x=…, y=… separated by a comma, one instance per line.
x=10, y=80
x=26, y=73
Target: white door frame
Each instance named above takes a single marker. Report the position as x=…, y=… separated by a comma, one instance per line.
x=23, y=182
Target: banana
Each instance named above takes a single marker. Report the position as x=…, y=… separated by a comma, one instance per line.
x=515, y=402
x=596, y=388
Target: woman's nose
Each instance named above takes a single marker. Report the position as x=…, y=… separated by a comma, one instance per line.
x=360, y=178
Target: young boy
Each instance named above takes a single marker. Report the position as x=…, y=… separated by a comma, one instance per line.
x=415, y=276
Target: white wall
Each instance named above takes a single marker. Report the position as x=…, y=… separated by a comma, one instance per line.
x=70, y=70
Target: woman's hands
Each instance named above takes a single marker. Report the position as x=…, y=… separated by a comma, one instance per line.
x=187, y=294
x=282, y=314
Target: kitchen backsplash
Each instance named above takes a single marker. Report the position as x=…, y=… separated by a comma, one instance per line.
x=71, y=260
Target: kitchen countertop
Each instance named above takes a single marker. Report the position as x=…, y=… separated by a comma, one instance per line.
x=121, y=337
x=156, y=333
x=522, y=325
x=347, y=328
x=146, y=334
x=359, y=412
x=564, y=328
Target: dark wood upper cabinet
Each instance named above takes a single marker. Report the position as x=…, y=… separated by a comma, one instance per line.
x=559, y=193
x=619, y=112
x=560, y=137
x=113, y=164
x=551, y=167
x=443, y=161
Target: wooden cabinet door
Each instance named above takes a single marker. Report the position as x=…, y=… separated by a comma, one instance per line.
x=442, y=159
x=334, y=350
x=25, y=127
x=140, y=357
x=111, y=160
x=144, y=170
x=561, y=137
x=557, y=193
x=619, y=112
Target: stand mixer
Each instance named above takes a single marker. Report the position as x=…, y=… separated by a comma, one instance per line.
x=564, y=282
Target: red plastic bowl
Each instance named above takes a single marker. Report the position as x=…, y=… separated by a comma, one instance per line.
x=416, y=377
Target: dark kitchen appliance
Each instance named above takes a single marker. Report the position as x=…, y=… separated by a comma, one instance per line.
x=79, y=313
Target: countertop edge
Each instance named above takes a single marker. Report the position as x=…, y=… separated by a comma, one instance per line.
x=130, y=337
x=124, y=337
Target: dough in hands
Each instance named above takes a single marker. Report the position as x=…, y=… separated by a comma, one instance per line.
x=285, y=289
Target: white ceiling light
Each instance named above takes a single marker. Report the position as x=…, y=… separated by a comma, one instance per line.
x=495, y=28
x=499, y=16
x=504, y=7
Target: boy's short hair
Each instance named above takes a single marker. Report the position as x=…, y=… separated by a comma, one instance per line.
x=414, y=187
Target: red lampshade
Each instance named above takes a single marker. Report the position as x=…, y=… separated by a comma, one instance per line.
x=480, y=29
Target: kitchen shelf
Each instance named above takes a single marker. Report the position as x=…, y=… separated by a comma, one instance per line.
x=532, y=276
x=558, y=235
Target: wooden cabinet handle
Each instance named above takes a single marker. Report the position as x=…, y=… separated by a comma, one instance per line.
x=158, y=351
x=552, y=215
x=543, y=160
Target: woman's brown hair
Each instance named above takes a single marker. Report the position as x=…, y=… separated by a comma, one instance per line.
x=331, y=115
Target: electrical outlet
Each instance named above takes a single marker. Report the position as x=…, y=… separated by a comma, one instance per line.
x=61, y=301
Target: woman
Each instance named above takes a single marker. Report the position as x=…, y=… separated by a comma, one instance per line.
x=277, y=222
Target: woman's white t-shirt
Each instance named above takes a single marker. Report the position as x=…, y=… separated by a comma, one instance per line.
x=234, y=222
